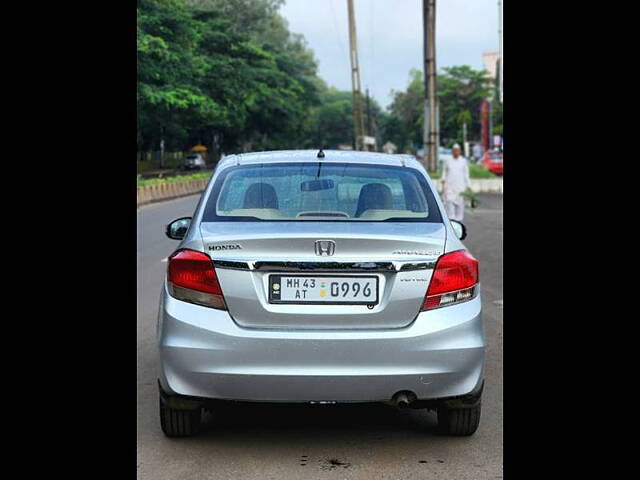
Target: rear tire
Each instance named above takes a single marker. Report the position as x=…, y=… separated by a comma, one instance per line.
x=179, y=423
x=458, y=421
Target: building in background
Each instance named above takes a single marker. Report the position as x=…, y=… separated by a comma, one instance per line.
x=490, y=61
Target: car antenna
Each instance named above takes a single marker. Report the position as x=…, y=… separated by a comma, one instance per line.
x=320, y=155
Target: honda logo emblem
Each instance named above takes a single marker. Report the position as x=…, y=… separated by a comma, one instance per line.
x=325, y=248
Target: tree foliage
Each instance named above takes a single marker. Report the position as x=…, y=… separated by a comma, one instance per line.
x=226, y=73
x=230, y=75
x=404, y=127
x=331, y=121
x=460, y=90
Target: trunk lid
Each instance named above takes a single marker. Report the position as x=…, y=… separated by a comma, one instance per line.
x=401, y=255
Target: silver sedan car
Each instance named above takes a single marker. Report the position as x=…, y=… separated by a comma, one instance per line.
x=320, y=277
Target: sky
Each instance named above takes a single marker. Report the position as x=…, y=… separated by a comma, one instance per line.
x=389, y=35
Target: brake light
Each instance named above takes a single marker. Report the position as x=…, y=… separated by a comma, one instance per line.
x=191, y=277
x=454, y=280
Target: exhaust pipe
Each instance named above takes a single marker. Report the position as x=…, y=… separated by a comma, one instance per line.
x=403, y=399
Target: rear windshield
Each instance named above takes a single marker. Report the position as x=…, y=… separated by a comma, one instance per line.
x=345, y=192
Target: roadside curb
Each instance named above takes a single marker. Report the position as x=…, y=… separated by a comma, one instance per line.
x=480, y=185
x=169, y=190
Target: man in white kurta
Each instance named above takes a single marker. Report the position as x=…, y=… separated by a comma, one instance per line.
x=456, y=181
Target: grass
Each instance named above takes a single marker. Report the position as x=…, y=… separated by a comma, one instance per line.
x=475, y=171
x=182, y=178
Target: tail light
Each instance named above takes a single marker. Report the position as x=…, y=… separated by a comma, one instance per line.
x=191, y=277
x=454, y=280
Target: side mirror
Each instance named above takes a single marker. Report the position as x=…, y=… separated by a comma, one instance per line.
x=177, y=229
x=460, y=229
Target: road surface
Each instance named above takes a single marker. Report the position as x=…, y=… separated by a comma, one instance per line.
x=312, y=441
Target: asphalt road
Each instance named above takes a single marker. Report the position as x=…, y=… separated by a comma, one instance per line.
x=311, y=441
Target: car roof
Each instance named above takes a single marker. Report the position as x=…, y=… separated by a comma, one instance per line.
x=330, y=156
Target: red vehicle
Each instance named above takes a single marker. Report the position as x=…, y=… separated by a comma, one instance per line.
x=492, y=161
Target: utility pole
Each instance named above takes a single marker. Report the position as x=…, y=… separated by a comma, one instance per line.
x=484, y=115
x=369, y=128
x=500, y=49
x=358, y=120
x=491, y=123
x=430, y=139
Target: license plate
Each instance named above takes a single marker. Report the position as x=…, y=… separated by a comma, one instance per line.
x=320, y=289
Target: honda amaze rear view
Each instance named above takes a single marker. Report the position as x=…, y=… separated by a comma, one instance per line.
x=320, y=277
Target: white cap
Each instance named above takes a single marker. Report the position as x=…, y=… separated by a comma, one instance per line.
x=455, y=146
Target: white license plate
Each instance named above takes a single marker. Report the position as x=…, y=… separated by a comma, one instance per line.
x=321, y=289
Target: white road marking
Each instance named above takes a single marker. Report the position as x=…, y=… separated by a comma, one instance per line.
x=164, y=260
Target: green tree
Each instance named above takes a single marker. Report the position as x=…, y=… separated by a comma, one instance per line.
x=230, y=74
x=331, y=121
x=404, y=127
x=226, y=73
x=461, y=88
x=168, y=69
x=278, y=83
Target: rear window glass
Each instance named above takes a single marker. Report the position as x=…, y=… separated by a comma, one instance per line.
x=321, y=192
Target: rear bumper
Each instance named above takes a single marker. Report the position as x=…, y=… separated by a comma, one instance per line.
x=204, y=353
